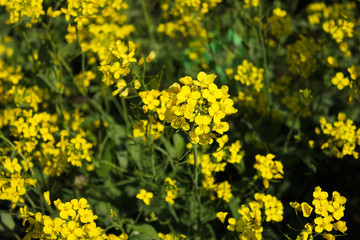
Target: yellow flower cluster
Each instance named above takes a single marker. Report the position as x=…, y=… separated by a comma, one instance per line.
x=35, y=135
x=273, y=207
x=301, y=56
x=208, y=169
x=83, y=80
x=328, y=214
x=115, y=64
x=294, y=102
x=4, y=49
x=257, y=101
x=231, y=154
x=343, y=136
x=98, y=23
x=248, y=226
x=55, y=155
x=249, y=75
x=30, y=128
x=216, y=162
x=279, y=23
x=13, y=180
x=339, y=29
x=143, y=128
x=10, y=74
x=350, y=81
x=75, y=221
x=320, y=9
x=20, y=9
x=268, y=168
x=250, y=3
x=198, y=107
x=340, y=81
x=354, y=72
x=171, y=236
x=25, y=96
x=185, y=18
x=171, y=190
x=77, y=149
x=337, y=22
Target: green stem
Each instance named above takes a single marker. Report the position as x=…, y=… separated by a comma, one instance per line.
x=290, y=132
x=149, y=23
x=82, y=62
x=196, y=167
x=31, y=202
x=196, y=185
x=151, y=147
x=266, y=79
x=29, y=48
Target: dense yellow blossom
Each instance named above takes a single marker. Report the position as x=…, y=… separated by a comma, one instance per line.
x=20, y=9
x=13, y=180
x=268, y=168
x=301, y=56
x=249, y=75
x=185, y=18
x=171, y=190
x=250, y=3
x=279, y=23
x=75, y=221
x=248, y=226
x=328, y=213
x=198, y=107
x=170, y=236
x=340, y=81
x=144, y=128
x=343, y=136
x=216, y=162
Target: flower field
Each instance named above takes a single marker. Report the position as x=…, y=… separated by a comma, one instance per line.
x=179, y=119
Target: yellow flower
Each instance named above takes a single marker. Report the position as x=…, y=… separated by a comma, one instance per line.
x=137, y=84
x=47, y=197
x=340, y=226
x=223, y=191
x=221, y=216
x=150, y=57
x=328, y=236
x=121, y=84
x=340, y=81
x=145, y=196
x=203, y=122
x=323, y=223
x=306, y=209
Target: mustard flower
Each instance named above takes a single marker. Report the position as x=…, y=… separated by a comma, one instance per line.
x=340, y=81
x=145, y=196
x=221, y=216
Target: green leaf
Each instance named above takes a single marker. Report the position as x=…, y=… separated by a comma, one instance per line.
x=49, y=80
x=123, y=159
x=234, y=206
x=135, y=153
x=179, y=144
x=309, y=163
x=106, y=156
x=222, y=76
x=146, y=230
x=230, y=35
x=7, y=220
x=237, y=40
